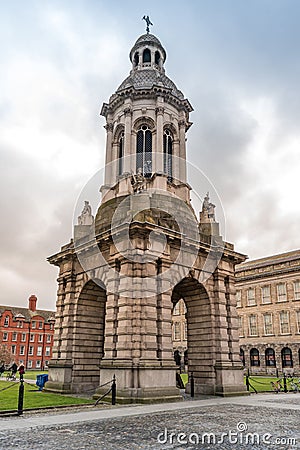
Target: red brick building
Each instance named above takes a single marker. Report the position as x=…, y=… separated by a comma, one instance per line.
x=28, y=334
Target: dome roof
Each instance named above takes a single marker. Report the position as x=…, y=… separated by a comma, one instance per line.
x=147, y=39
x=147, y=78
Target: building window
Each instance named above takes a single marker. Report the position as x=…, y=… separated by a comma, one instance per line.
x=6, y=321
x=185, y=330
x=157, y=57
x=286, y=357
x=38, y=364
x=266, y=294
x=30, y=351
x=242, y=357
x=40, y=325
x=253, y=325
x=144, y=151
x=33, y=324
x=14, y=336
x=47, y=352
x=268, y=323
x=297, y=290
x=284, y=322
x=39, y=351
x=281, y=292
x=48, y=337
x=177, y=331
x=168, y=152
x=29, y=364
x=241, y=326
x=121, y=153
x=23, y=337
x=254, y=357
x=270, y=357
x=46, y=363
x=40, y=338
x=298, y=321
x=31, y=338
x=238, y=299
x=176, y=310
x=13, y=349
x=5, y=336
x=146, y=56
x=251, y=297
x=22, y=350
x=51, y=326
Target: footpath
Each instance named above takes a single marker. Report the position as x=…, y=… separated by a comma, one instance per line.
x=261, y=421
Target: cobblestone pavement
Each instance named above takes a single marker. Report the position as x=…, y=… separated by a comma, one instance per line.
x=256, y=423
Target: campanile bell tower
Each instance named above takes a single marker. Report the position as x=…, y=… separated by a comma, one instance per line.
x=123, y=273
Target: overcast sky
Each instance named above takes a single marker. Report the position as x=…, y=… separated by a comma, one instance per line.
x=236, y=61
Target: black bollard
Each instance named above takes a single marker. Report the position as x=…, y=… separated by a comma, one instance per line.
x=21, y=396
x=247, y=383
x=192, y=385
x=284, y=383
x=277, y=375
x=113, y=391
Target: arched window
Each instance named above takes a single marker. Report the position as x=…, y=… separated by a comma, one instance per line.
x=270, y=357
x=286, y=357
x=144, y=151
x=157, y=57
x=146, y=56
x=242, y=356
x=168, y=152
x=136, y=59
x=121, y=153
x=254, y=357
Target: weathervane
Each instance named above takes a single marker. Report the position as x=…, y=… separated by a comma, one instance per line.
x=148, y=22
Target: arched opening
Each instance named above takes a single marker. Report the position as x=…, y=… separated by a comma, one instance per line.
x=179, y=332
x=146, y=56
x=200, y=353
x=157, y=57
x=168, y=152
x=136, y=59
x=286, y=357
x=88, y=338
x=121, y=153
x=144, y=151
x=270, y=357
x=254, y=357
x=242, y=357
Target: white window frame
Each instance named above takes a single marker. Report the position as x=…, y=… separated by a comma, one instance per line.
x=251, y=301
x=239, y=299
x=251, y=325
x=297, y=290
x=281, y=296
x=269, y=331
x=266, y=299
x=287, y=322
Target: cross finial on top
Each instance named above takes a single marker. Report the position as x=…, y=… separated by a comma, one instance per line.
x=148, y=22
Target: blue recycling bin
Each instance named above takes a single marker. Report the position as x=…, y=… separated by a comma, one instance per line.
x=41, y=380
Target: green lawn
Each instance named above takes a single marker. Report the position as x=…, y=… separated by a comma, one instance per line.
x=33, y=398
x=31, y=374
x=261, y=384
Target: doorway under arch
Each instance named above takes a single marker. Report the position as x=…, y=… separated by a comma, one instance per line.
x=88, y=338
x=200, y=337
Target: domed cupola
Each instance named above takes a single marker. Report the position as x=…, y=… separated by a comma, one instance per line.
x=146, y=121
x=147, y=52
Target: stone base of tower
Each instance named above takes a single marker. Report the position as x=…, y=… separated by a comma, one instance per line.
x=60, y=376
x=226, y=381
x=143, y=383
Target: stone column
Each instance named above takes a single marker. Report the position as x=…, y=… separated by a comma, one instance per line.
x=108, y=180
x=159, y=163
x=127, y=135
x=182, y=151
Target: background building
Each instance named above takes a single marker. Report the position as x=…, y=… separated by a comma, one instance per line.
x=268, y=303
x=28, y=334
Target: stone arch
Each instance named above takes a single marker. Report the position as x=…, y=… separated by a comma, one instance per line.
x=145, y=120
x=170, y=126
x=119, y=129
x=88, y=337
x=200, y=338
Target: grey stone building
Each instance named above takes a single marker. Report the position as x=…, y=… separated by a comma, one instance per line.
x=268, y=303
x=125, y=269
